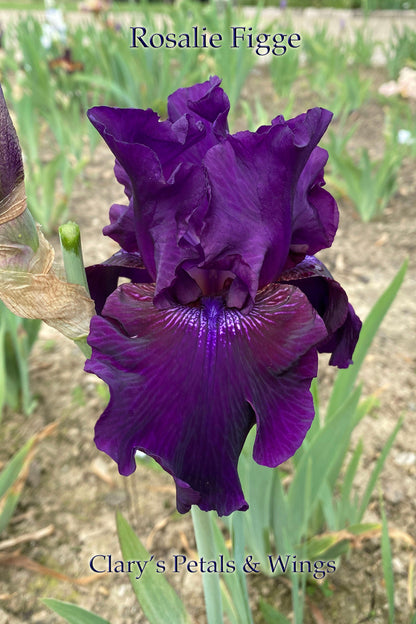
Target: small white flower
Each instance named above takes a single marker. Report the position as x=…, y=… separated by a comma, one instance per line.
x=54, y=28
x=405, y=137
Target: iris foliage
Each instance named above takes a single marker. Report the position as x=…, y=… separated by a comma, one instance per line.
x=311, y=510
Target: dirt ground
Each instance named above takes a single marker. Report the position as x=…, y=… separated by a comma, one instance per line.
x=77, y=489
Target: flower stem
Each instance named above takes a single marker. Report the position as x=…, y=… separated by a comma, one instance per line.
x=70, y=238
x=204, y=537
x=238, y=541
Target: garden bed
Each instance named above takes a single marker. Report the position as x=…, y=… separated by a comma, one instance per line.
x=77, y=489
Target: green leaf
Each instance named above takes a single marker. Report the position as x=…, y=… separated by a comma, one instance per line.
x=2, y=367
x=204, y=526
x=335, y=551
x=10, y=473
x=259, y=486
x=347, y=483
x=346, y=378
x=8, y=478
x=232, y=584
x=363, y=527
x=315, y=466
x=317, y=546
x=272, y=615
x=387, y=563
x=281, y=520
x=156, y=596
x=377, y=469
x=72, y=613
x=7, y=510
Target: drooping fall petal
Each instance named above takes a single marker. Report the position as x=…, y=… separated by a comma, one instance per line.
x=331, y=302
x=194, y=418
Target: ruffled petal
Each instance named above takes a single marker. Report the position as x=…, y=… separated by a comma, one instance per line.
x=167, y=213
x=207, y=101
x=331, y=302
x=188, y=383
x=315, y=213
x=254, y=178
x=122, y=227
x=342, y=342
x=125, y=129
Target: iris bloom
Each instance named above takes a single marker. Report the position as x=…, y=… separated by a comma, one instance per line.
x=220, y=327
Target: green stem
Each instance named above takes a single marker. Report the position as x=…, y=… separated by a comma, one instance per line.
x=204, y=537
x=70, y=238
x=238, y=541
x=84, y=346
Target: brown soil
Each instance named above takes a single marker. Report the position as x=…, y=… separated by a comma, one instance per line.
x=77, y=489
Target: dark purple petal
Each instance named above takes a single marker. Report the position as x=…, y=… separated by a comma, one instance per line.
x=245, y=206
x=331, y=302
x=228, y=334
x=282, y=431
x=11, y=164
x=188, y=383
x=103, y=278
x=254, y=178
x=125, y=130
x=207, y=101
x=341, y=343
x=122, y=226
x=315, y=213
x=168, y=213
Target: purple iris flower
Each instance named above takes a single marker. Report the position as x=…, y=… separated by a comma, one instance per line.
x=220, y=326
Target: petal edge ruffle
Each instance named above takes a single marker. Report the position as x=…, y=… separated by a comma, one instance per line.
x=188, y=383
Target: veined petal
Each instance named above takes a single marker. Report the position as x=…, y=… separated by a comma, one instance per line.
x=188, y=383
x=251, y=219
x=331, y=302
x=11, y=163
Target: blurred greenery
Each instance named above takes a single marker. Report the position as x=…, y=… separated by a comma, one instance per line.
x=123, y=5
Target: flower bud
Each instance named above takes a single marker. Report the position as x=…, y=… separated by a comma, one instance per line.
x=29, y=282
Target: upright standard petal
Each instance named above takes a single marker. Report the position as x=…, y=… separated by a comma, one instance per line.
x=245, y=203
x=205, y=100
x=122, y=227
x=315, y=213
x=188, y=383
x=169, y=206
x=249, y=225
